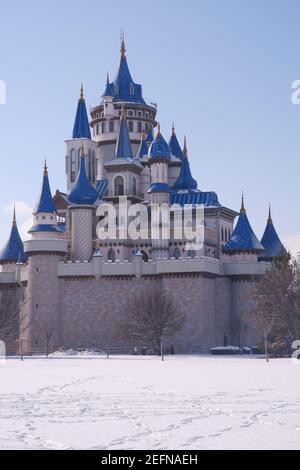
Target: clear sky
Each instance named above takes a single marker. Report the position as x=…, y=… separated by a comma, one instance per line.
x=222, y=70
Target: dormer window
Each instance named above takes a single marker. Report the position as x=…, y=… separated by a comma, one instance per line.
x=131, y=89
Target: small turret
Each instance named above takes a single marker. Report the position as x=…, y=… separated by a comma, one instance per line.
x=271, y=242
x=83, y=192
x=81, y=129
x=108, y=101
x=123, y=148
x=243, y=239
x=13, y=251
x=44, y=215
x=185, y=182
x=174, y=145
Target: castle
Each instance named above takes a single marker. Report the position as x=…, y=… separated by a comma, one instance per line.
x=70, y=283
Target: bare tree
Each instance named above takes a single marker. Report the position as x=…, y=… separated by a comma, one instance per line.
x=152, y=316
x=8, y=315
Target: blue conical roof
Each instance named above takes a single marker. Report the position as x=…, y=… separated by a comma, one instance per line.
x=174, y=145
x=82, y=192
x=271, y=242
x=185, y=180
x=109, y=90
x=13, y=250
x=243, y=237
x=45, y=201
x=81, y=129
x=143, y=148
x=159, y=148
x=150, y=137
x=123, y=148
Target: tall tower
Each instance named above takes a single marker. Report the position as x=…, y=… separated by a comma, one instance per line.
x=105, y=118
x=81, y=136
x=44, y=251
x=82, y=198
x=159, y=191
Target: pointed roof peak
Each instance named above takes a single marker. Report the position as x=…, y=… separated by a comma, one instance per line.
x=159, y=148
x=173, y=129
x=185, y=149
x=13, y=251
x=143, y=148
x=81, y=93
x=123, y=148
x=243, y=210
x=14, y=217
x=123, y=47
x=270, y=220
x=81, y=129
x=45, y=201
x=45, y=168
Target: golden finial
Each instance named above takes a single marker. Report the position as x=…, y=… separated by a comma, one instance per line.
x=173, y=128
x=243, y=210
x=14, y=216
x=82, y=151
x=185, y=150
x=81, y=93
x=270, y=221
x=45, y=168
x=123, y=48
x=123, y=112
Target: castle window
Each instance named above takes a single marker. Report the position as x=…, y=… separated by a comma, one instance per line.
x=130, y=126
x=119, y=186
x=145, y=257
x=130, y=113
x=97, y=129
x=222, y=232
x=73, y=165
x=111, y=255
x=226, y=235
x=147, y=127
x=177, y=253
x=139, y=125
x=140, y=113
x=134, y=186
x=111, y=126
x=103, y=127
x=191, y=253
x=131, y=89
x=147, y=115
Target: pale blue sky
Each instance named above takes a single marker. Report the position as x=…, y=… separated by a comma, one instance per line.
x=222, y=70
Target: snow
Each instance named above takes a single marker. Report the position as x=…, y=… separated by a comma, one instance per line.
x=191, y=402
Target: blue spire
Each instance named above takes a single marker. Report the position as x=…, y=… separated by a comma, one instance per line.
x=123, y=86
x=159, y=148
x=150, y=137
x=123, y=148
x=82, y=192
x=174, y=145
x=45, y=201
x=243, y=237
x=13, y=250
x=109, y=90
x=143, y=148
x=271, y=242
x=185, y=180
x=81, y=128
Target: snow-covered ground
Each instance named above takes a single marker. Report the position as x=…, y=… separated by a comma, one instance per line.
x=142, y=403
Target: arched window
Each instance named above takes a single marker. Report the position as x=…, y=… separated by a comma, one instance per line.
x=131, y=89
x=134, y=186
x=222, y=234
x=103, y=127
x=140, y=127
x=111, y=126
x=130, y=126
x=119, y=186
x=111, y=255
x=73, y=165
x=177, y=253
